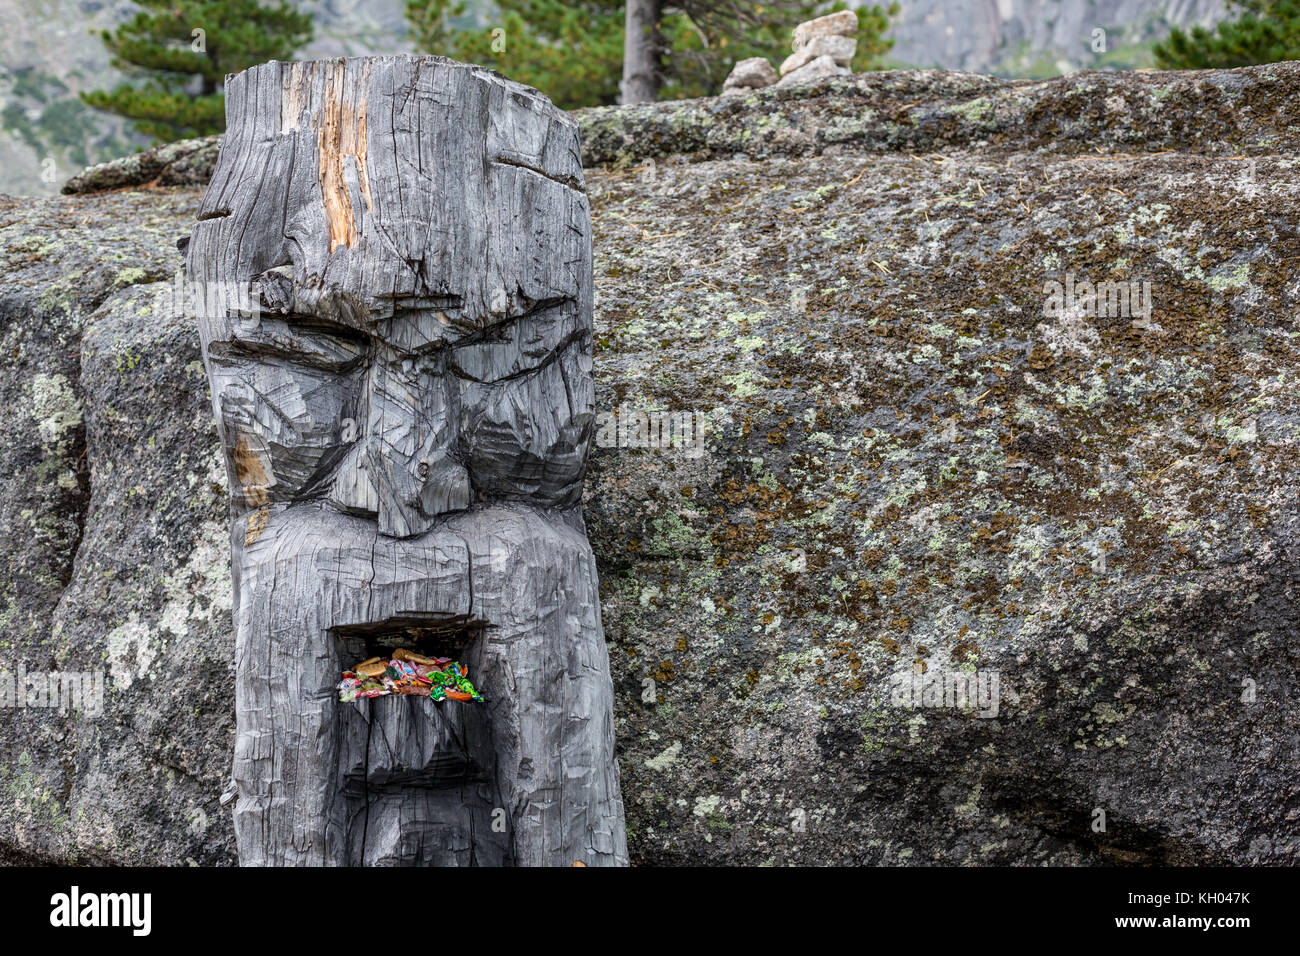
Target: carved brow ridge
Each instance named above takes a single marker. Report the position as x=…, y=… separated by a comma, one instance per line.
x=484, y=334
x=305, y=331
x=257, y=342
x=552, y=356
x=415, y=301
x=406, y=304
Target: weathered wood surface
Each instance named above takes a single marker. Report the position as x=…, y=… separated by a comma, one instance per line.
x=406, y=403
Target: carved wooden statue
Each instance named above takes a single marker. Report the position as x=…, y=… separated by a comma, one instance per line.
x=406, y=403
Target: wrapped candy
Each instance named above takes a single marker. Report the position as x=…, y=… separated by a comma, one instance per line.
x=408, y=674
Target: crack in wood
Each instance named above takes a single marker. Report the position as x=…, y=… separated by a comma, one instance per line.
x=570, y=182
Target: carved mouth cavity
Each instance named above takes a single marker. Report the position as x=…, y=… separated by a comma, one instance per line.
x=433, y=635
x=412, y=770
x=409, y=740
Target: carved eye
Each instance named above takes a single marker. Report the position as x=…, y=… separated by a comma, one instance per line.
x=517, y=345
x=300, y=340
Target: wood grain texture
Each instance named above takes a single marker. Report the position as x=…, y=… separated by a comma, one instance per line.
x=394, y=261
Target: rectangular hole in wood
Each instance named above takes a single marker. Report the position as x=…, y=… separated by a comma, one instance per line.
x=446, y=635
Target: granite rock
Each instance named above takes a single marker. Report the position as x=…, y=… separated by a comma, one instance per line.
x=838, y=48
x=753, y=73
x=813, y=70
x=908, y=456
x=840, y=23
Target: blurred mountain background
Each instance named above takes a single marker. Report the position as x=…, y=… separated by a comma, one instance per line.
x=50, y=51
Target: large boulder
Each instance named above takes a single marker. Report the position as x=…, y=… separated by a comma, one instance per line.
x=919, y=455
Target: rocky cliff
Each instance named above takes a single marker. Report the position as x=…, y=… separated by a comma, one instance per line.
x=919, y=458
x=1040, y=37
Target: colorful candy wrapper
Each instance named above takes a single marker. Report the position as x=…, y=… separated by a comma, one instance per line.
x=445, y=679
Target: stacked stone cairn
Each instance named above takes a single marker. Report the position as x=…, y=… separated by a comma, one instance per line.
x=822, y=47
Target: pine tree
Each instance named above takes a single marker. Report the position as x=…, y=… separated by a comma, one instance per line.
x=1266, y=31
x=182, y=50
x=572, y=50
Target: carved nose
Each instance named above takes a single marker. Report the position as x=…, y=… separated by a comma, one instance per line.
x=404, y=495
x=403, y=471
